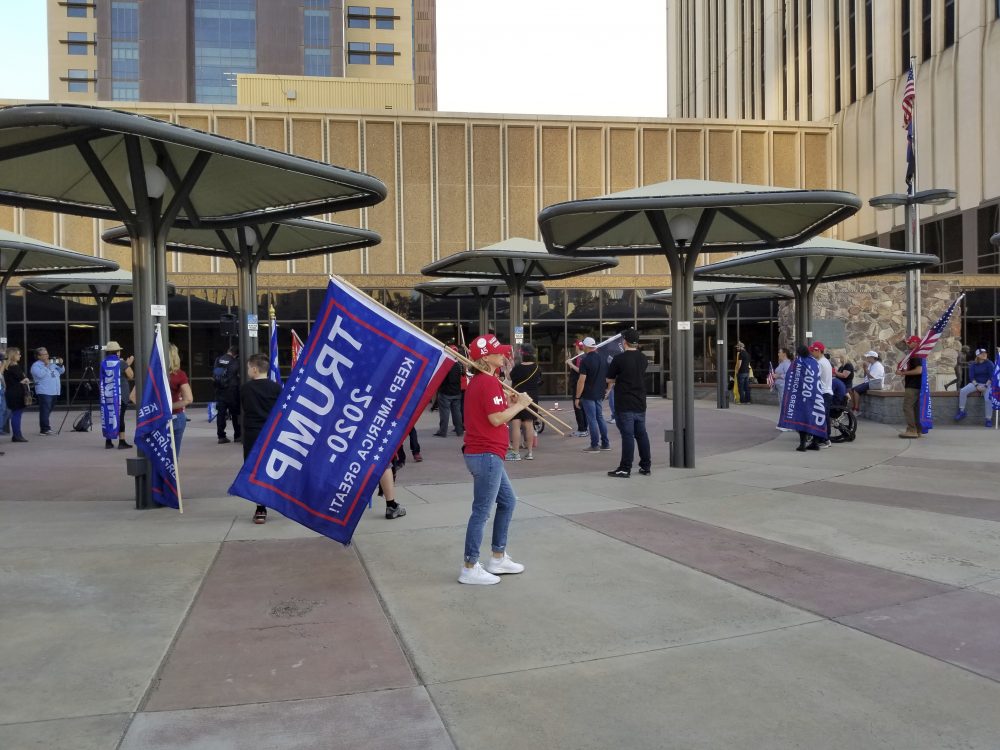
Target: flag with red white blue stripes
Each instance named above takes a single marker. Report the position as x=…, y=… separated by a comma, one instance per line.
x=930, y=339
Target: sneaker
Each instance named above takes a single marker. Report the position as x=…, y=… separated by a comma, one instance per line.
x=260, y=516
x=909, y=435
x=619, y=473
x=123, y=445
x=645, y=472
x=825, y=444
x=108, y=444
x=512, y=456
x=397, y=511
x=223, y=440
x=812, y=447
x=531, y=456
x=477, y=576
x=580, y=433
x=801, y=448
x=48, y=433
x=960, y=415
x=440, y=434
x=591, y=449
x=503, y=565
x=606, y=447
x=417, y=457
x=19, y=439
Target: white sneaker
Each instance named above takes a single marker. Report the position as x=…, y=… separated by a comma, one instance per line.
x=476, y=575
x=503, y=565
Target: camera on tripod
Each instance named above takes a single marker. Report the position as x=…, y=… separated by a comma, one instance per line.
x=90, y=356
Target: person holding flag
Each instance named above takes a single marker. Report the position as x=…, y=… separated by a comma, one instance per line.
x=803, y=407
x=487, y=412
x=114, y=390
x=590, y=391
x=913, y=378
x=154, y=430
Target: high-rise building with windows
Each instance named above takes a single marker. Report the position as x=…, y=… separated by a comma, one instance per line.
x=193, y=50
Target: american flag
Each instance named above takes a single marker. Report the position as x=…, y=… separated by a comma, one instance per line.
x=931, y=337
x=909, y=96
x=770, y=376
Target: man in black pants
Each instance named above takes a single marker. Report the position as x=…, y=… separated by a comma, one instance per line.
x=449, y=399
x=226, y=378
x=627, y=373
x=259, y=396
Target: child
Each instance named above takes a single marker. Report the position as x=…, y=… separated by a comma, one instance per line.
x=258, y=397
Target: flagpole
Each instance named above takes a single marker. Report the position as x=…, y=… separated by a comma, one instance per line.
x=173, y=442
x=538, y=410
x=912, y=237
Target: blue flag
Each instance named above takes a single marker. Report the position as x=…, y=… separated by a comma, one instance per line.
x=802, y=406
x=111, y=397
x=361, y=381
x=926, y=417
x=273, y=372
x=994, y=392
x=154, y=431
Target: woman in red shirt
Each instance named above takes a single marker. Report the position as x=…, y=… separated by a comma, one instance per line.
x=180, y=396
x=486, y=414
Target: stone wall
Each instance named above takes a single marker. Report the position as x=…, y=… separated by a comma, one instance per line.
x=873, y=312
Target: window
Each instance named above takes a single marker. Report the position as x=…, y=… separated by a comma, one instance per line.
x=358, y=53
x=904, y=24
x=949, y=23
x=926, y=37
x=385, y=18
x=869, y=51
x=316, y=38
x=79, y=81
x=385, y=54
x=358, y=17
x=75, y=10
x=836, y=56
x=225, y=45
x=316, y=62
x=125, y=51
x=809, y=61
x=76, y=43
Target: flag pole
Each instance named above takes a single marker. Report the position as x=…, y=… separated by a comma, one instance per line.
x=914, y=316
x=538, y=410
x=170, y=424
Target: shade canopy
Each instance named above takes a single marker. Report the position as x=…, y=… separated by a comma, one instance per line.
x=473, y=289
x=516, y=257
x=706, y=292
x=267, y=239
x=75, y=159
x=111, y=285
x=24, y=256
x=697, y=214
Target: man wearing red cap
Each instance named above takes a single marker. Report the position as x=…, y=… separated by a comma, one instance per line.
x=487, y=413
x=912, y=378
x=818, y=352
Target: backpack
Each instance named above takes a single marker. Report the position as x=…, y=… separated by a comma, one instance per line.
x=221, y=375
x=83, y=423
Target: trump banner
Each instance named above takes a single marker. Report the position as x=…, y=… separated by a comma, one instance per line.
x=802, y=406
x=111, y=397
x=361, y=381
x=154, y=429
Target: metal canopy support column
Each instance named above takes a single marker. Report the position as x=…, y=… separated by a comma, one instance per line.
x=4, y=280
x=484, y=299
x=722, y=304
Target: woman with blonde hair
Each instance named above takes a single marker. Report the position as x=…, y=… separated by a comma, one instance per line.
x=180, y=395
x=16, y=385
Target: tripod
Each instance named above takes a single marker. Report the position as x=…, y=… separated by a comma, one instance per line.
x=88, y=380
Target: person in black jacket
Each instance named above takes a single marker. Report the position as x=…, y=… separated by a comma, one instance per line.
x=449, y=398
x=258, y=397
x=226, y=379
x=525, y=377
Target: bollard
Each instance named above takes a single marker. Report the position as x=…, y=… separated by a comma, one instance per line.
x=138, y=467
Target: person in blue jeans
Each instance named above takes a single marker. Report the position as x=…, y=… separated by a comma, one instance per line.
x=47, y=374
x=590, y=391
x=980, y=375
x=487, y=412
x=627, y=374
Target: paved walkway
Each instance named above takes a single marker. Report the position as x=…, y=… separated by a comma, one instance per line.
x=766, y=599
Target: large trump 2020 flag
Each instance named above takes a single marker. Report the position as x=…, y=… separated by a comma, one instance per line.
x=361, y=381
x=802, y=405
x=154, y=430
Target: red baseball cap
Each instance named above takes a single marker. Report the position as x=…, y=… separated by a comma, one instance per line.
x=914, y=340
x=817, y=346
x=484, y=345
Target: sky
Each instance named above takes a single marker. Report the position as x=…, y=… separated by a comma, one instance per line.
x=557, y=57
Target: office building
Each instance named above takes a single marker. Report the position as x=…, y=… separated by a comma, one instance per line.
x=194, y=50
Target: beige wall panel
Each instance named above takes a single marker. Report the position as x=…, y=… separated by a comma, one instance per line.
x=198, y=122
x=816, y=148
x=314, y=264
x=345, y=152
x=522, y=211
x=232, y=127
x=991, y=116
x=39, y=225
x=307, y=138
x=849, y=167
x=555, y=165
x=269, y=133
x=452, y=169
x=722, y=155
x=589, y=162
x=77, y=234
x=753, y=158
x=785, y=160
x=622, y=159
x=380, y=158
x=655, y=156
x=486, y=203
x=7, y=218
x=418, y=235
x=689, y=154
x=200, y=264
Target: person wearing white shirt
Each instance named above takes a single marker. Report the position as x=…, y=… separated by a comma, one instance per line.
x=818, y=352
x=872, y=380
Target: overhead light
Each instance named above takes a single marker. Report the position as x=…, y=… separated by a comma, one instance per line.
x=518, y=265
x=156, y=181
x=682, y=227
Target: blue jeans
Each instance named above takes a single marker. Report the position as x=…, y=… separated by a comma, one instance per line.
x=743, y=386
x=180, y=422
x=4, y=414
x=632, y=426
x=489, y=485
x=611, y=403
x=595, y=422
x=45, y=404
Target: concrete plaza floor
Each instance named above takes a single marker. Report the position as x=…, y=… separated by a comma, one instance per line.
x=848, y=598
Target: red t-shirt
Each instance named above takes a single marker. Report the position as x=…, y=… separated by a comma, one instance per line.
x=483, y=397
x=177, y=379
